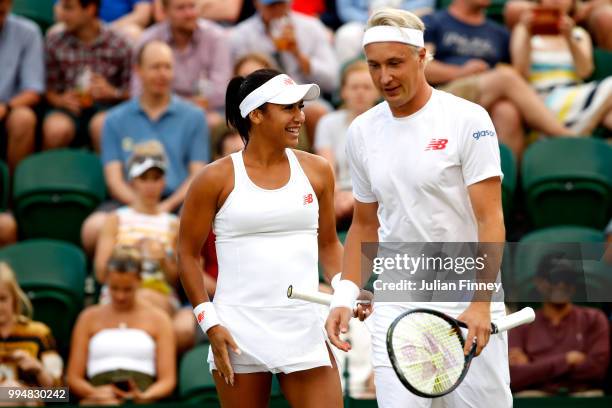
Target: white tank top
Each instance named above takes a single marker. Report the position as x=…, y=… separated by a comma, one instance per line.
x=266, y=240
x=121, y=349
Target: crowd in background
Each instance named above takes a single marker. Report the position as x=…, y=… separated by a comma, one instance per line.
x=142, y=83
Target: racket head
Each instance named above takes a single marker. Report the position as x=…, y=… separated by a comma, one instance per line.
x=438, y=343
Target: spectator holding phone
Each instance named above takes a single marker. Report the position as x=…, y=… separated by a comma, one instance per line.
x=124, y=349
x=556, y=56
x=27, y=349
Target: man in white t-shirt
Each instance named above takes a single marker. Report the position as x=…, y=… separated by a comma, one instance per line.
x=425, y=167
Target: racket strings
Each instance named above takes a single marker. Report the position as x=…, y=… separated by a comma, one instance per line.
x=429, y=352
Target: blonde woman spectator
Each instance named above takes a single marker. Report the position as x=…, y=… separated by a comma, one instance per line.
x=27, y=349
x=358, y=94
x=124, y=349
x=556, y=65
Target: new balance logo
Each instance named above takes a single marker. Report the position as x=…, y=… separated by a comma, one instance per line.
x=308, y=199
x=437, y=144
x=288, y=81
x=200, y=317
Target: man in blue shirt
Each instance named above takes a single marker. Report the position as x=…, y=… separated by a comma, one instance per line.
x=468, y=51
x=21, y=83
x=155, y=115
x=129, y=17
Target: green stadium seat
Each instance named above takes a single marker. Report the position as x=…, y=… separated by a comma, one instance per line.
x=40, y=11
x=603, y=64
x=536, y=245
x=55, y=191
x=52, y=273
x=508, y=165
x=195, y=380
x=4, y=186
x=568, y=181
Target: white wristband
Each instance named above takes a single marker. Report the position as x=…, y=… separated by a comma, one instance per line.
x=206, y=315
x=345, y=294
x=335, y=280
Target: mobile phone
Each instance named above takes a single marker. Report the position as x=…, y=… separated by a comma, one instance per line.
x=546, y=20
x=123, y=385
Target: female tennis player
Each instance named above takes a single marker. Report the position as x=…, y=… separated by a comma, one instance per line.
x=425, y=167
x=271, y=209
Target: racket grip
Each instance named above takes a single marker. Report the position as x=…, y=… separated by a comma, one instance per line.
x=523, y=316
x=315, y=297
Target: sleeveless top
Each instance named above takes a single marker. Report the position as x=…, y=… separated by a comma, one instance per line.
x=266, y=239
x=121, y=349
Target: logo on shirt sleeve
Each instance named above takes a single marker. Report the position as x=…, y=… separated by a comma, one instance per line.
x=482, y=133
x=437, y=144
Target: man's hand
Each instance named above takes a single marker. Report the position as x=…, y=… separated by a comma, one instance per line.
x=474, y=66
x=338, y=322
x=69, y=100
x=477, y=316
x=220, y=338
x=100, y=88
x=575, y=358
x=363, y=310
x=516, y=357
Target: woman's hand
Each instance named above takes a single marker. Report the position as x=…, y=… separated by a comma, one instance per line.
x=105, y=392
x=220, y=338
x=26, y=362
x=566, y=26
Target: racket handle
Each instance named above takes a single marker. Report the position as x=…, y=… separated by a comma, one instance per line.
x=523, y=316
x=315, y=297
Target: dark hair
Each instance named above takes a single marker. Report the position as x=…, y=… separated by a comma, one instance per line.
x=227, y=133
x=85, y=3
x=556, y=267
x=237, y=89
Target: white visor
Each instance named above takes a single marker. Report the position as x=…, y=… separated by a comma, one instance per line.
x=138, y=169
x=404, y=35
x=281, y=90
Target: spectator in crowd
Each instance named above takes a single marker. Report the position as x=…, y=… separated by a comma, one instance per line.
x=28, y=357
x=8, y=228
x=252, y=62
x=128, y=17
x=221, y=11
x=299, y=45
x=595, y=15
x=154, y=115
x=124, y=349
x=143, y=226
x=468, y=49
x=567, y=346
x=358, y=94
x=359, y=10
x=201, y=49
x=88, y=70
x=21, y=83
x=556, y=67
x=354, y=14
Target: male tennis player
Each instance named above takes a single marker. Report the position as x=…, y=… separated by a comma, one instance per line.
x=425, y=167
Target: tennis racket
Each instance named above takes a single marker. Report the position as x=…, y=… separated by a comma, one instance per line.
x=426, y=346
x=426, y=349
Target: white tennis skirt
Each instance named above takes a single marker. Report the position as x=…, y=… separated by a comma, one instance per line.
x=275, y=339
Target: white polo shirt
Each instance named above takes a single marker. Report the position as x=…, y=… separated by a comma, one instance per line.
x=418, y=169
